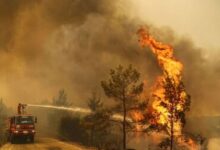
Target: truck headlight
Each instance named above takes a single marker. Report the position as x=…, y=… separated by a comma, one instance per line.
x=15, y=131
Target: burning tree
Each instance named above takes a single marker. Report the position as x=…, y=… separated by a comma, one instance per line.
x=176, y=96
x=170, y=100
x=124, y=87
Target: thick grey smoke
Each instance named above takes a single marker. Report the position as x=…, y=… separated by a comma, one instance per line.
x=72, y=44
x=68, y=44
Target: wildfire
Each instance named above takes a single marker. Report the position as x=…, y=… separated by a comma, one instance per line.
x=172, y=70
x=188, y=142
x=136, y=115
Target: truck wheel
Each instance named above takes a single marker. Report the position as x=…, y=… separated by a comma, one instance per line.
x=32, y=139
x=8, y=138
x=12, y=139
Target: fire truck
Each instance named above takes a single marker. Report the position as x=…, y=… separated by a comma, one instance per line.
x=22, y=125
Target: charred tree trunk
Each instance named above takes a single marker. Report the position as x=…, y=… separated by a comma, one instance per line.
x=171, y=128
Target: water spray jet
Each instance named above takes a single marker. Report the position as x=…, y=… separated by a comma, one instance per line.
x=115, y=117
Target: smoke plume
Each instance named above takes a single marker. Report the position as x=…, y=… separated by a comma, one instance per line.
x=72, y=44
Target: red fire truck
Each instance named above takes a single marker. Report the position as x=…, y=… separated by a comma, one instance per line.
x=22, y=125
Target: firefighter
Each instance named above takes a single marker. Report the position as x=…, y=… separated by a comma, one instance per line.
x=21, y=108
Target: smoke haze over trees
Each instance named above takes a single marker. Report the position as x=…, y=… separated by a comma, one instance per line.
x=45, y=45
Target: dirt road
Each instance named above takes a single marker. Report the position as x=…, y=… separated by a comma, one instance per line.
x=43, y=144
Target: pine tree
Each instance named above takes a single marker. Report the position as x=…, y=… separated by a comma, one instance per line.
x=124, y=87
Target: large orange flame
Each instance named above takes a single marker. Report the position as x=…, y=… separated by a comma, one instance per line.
x=172, y=69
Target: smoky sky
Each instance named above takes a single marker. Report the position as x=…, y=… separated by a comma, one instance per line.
x=48, y=45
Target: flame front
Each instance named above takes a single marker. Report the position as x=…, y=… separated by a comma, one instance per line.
x=172, y=69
